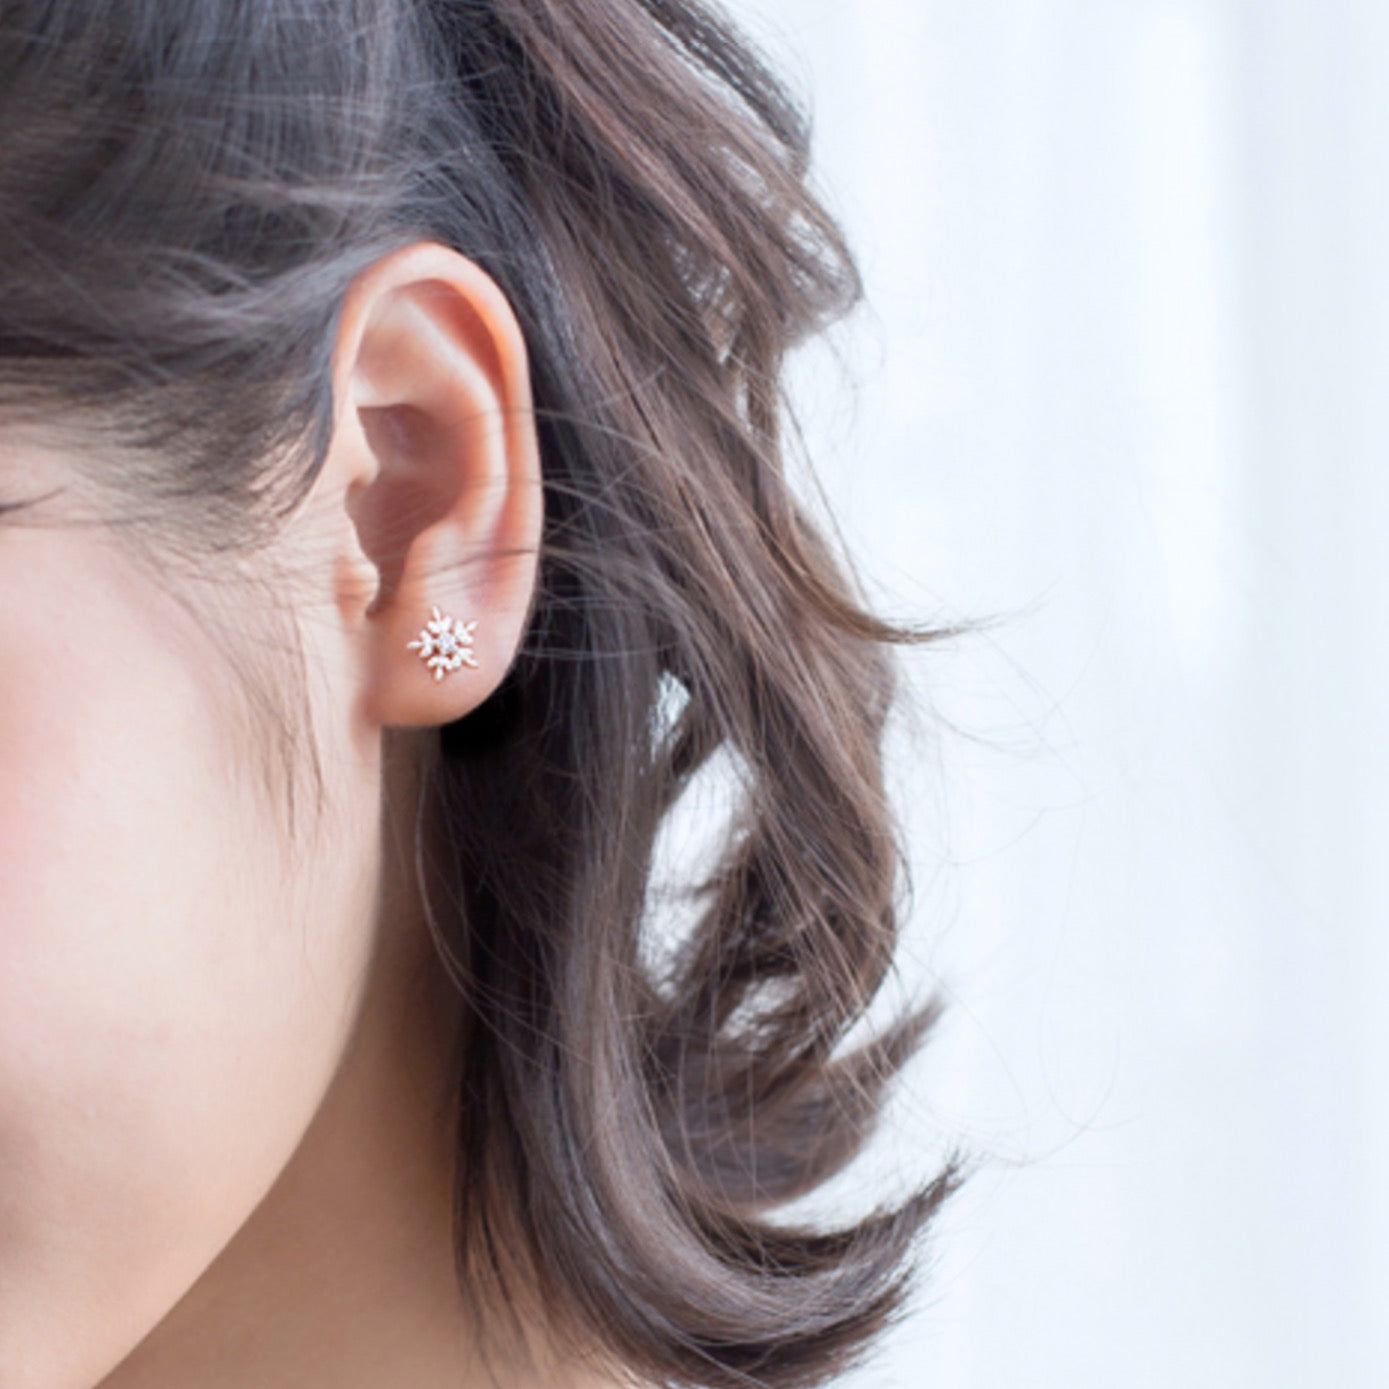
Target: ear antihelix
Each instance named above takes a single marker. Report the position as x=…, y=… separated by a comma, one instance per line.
x=445, y=644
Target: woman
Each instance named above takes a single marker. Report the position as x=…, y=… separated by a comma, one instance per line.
x=392, y=529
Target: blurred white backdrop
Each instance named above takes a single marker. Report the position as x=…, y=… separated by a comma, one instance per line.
x=1122, y=384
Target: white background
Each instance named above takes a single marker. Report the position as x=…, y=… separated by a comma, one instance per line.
x=1121, y=386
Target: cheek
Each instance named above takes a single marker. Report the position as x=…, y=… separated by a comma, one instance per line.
x=169, y=1017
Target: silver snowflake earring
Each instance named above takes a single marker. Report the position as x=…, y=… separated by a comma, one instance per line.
x=445, y=644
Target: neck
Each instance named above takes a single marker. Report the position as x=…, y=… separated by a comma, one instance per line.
x=343, y=1276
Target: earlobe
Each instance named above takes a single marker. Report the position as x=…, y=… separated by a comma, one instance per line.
x=436, y=430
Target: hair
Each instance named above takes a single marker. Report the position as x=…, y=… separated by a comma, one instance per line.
x=187, y=188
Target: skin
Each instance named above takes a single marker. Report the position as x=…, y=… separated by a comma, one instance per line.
x=225, y=1145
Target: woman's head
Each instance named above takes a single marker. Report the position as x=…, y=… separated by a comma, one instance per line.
x=189, y=940
x=313, y=317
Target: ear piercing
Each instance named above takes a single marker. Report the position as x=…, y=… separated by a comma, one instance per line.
x=445, y=644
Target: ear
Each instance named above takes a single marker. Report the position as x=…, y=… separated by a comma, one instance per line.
x=435, y=456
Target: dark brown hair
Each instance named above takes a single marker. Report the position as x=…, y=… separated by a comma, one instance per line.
x=187, y=187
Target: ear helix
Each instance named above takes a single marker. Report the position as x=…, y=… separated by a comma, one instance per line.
x=445, y=644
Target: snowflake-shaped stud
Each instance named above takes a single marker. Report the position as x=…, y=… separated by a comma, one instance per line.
x=445, y=644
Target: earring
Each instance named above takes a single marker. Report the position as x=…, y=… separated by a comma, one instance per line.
x=445, y=644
